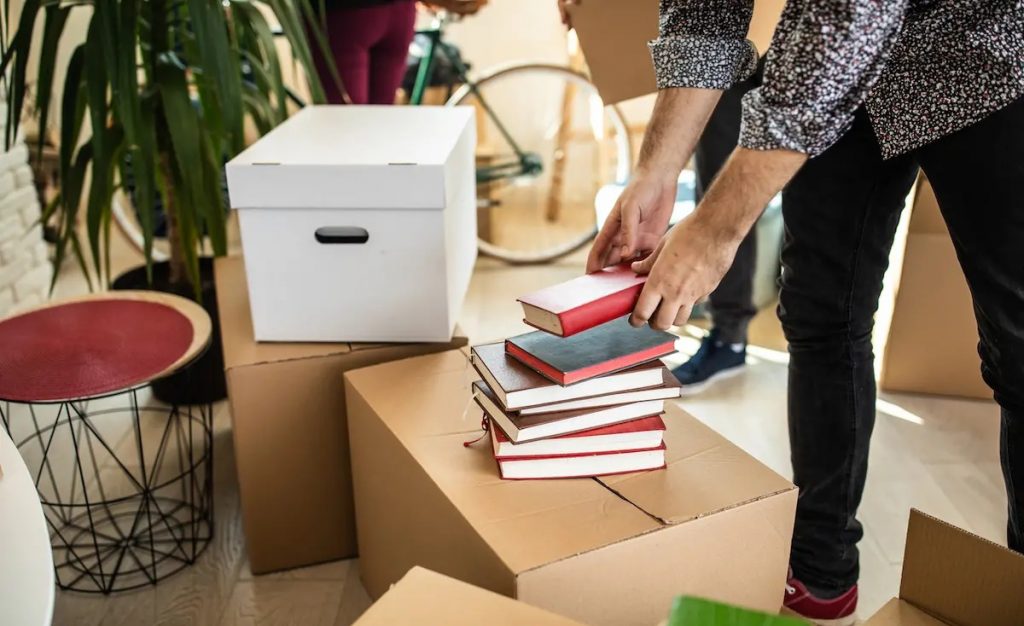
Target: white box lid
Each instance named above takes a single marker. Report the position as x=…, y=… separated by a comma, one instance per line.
x=366, y=157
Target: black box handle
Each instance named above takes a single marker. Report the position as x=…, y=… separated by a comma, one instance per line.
x=341, y=234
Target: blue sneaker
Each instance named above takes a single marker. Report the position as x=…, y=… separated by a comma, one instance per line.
x=714, y=360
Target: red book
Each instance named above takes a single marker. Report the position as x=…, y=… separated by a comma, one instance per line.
x=641, y=434
x=604, y=349
x=584, y=302
x=582, y=465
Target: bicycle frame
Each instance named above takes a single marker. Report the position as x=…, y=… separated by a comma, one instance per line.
x=524, y=163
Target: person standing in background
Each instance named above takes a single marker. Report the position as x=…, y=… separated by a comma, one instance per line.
x=369, y=41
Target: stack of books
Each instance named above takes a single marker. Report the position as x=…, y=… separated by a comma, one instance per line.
x=589, y=403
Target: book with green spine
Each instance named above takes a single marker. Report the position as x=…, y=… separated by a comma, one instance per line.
x=689, y=611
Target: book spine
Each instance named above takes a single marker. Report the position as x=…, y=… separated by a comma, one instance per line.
x=575, y=455
x=534, y=363
x=587, y=316
x=616, y=364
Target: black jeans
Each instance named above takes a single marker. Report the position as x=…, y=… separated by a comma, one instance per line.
x=841, y=213
x=732, y=302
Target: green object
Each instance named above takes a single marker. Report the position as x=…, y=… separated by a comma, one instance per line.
x=166, y=87
x=687, y=611
x=434, y=45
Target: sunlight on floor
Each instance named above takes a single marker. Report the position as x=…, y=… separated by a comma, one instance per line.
x=888, y=408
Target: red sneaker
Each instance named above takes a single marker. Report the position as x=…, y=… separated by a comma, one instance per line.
x=799, y=602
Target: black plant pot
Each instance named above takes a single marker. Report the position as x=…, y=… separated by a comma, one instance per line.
x=203, y=381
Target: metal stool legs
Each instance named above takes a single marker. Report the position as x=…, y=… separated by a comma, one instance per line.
x=126, y=487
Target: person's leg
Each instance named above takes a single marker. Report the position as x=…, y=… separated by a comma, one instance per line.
x=732, y=303
x=388, y=56
x=841, y=212
x=351, y=32
x=977, y=175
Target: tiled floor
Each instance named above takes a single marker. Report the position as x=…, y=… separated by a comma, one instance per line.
x=936, y=454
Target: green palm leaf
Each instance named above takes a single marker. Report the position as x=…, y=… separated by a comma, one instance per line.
x=161, y=84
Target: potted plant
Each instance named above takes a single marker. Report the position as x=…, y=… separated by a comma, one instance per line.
x=167, y=88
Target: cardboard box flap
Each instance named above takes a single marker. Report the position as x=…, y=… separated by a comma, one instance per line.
x=614, y=36
x=959, y=577
x=240, y=349
x=896, y=612
x=695, y=458
x=428, y=598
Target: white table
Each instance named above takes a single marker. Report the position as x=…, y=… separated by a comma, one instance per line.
x=26, y=563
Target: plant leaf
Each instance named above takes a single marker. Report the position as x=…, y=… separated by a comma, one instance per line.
x=96, y=81
x=72, y=179
x=184, y=129
x=294, y=31
x=20, y=48
x=56, y=17
x=264, y=59
x=220, y=66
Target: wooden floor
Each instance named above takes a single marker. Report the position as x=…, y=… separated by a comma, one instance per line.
x=936, y=454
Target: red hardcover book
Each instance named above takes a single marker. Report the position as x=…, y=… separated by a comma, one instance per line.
x=604, y=349
x=582, y=465
x=640, y=434
x=583, y=302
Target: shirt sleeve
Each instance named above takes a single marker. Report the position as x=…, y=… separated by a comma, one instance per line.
x=703, y=43
x=824, y=59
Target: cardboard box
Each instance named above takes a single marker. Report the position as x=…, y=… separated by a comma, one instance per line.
x=359, y=223
x=290, y=433
x=953, y=577
x=427, y=598
x=933, y=340
x=614, y=35
x=615, y=550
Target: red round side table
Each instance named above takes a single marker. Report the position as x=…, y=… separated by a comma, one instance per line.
x=125, y=482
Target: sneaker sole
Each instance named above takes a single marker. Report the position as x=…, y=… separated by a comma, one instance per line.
x=850, y=620
x=695, y=388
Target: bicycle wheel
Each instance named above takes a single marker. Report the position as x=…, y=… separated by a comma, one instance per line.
x=545, y=145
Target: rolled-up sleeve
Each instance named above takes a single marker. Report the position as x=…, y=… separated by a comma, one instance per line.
x=703, y=43
x=825, y=58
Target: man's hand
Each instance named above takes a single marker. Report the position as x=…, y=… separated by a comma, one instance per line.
x=686, y=266
x=692, y=258
x=637, y=221
x=640, y=217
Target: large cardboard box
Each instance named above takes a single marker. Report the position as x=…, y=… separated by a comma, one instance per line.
x=290, y=433
x=359, y=223
x=614, y=35
x=426, y=598
x=615, y=550
x=951, y=577
x=933, y=341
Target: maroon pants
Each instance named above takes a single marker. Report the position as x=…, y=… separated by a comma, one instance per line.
x=370, y=45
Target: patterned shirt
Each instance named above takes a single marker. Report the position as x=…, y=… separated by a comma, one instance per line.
x=921, y=68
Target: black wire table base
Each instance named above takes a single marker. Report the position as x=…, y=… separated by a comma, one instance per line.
x=127, y=489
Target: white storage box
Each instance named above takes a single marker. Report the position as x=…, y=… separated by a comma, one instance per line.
x=359, y=223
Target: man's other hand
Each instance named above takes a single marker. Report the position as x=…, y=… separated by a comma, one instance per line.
x=637, y=221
